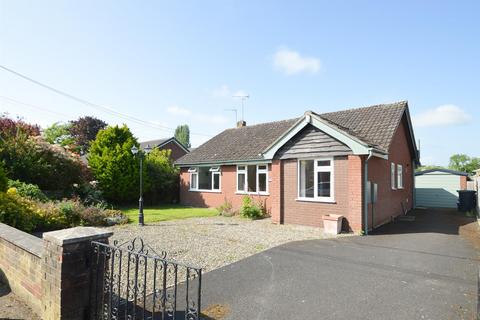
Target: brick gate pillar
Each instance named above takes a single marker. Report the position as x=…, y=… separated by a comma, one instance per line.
x=66, y=272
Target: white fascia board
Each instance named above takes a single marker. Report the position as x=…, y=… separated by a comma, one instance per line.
x=225, y=163
x=356, y=146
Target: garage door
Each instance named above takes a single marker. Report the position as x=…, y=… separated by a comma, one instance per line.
x=437, y=190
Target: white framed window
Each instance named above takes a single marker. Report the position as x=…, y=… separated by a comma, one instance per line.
x=252, y=178
x=393, y=176
x=205, y=178
x=399, y=176
x=316, y=179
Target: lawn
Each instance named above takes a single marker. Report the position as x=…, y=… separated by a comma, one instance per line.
x=167, y=212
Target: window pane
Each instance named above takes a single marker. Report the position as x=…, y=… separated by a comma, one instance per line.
x=323, y=163
x=262, y=167
x=392, y=175
x=252, y=178
x=204, y=178
x=241, y=182
x=216, y=181
x=241, y=168
x=400, y=176
x=306, y=183
x=323, y=184
x=262, y=182
x=193, y=181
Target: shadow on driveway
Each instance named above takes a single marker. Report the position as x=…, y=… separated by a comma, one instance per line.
x=426, y=269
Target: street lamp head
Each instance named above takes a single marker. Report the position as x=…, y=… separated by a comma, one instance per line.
x=147, y=149
x=134, y=150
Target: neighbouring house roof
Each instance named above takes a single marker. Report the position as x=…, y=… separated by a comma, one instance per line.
x=373, y=126
x=457, y=173
x=161, y=142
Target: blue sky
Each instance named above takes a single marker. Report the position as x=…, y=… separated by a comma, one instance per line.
x=180, y=62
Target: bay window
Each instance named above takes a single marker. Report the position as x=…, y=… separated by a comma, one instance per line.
x=252, y=178
x=205, y=178
x=315, y=179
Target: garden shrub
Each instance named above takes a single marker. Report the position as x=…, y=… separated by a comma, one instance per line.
x=163, y=177
x=28, y=190
x=3, y=179
x=226, y=209
x=17, y=212
x=250, y=209
x=71, y=210
x=33, y=160
x=90, y=194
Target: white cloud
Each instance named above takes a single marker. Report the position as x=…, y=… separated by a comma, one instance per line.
x=222, y=92
x=178, y=111
x=291, y=62
x=444, y=115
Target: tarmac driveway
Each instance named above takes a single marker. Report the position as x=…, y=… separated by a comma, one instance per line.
x=426, y=269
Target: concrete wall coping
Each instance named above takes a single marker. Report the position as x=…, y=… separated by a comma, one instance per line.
x=21, y=239
x=76, y=235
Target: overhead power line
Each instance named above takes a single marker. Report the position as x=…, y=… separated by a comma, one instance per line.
x=94, y=105
x=14, y=101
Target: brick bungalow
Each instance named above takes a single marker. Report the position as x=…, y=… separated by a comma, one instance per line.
x=358, y=163
x=178, y=149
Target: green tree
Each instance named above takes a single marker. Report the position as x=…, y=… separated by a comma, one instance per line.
x=182, y=134
x=163, y=177
x=84, y=130
x=464, y=163
x=58, y=133
x=113, y=164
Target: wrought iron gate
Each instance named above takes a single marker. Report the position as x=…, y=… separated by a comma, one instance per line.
x=131, y=281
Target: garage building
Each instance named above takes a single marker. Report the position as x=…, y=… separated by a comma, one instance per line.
x=438, y=187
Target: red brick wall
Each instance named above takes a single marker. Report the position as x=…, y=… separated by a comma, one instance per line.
x=355, y=192
x=228, y=186
x=389, y=201
x=463, y=183
x=276, y=187
x=177, y=152
x=310, y=213
x=21, y=268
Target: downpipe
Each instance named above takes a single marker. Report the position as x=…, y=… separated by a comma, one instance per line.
x=365, y=193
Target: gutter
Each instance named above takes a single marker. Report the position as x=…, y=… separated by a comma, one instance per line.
x=365, y=193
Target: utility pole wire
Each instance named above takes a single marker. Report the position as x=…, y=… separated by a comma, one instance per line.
x=14, y=101
x=93, y=105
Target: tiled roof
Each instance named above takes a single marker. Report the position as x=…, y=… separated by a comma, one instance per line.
x=238, y=144
x=374, y=125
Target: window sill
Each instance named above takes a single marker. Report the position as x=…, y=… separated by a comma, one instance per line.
x=315, y=200
x=253, y=193
x=210, y=191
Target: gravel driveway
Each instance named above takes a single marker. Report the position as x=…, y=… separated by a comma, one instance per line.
x=214, y=242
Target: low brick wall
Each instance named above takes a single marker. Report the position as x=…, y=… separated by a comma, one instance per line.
x=21, y=265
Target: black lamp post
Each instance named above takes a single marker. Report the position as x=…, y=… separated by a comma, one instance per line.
x=141, y=154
